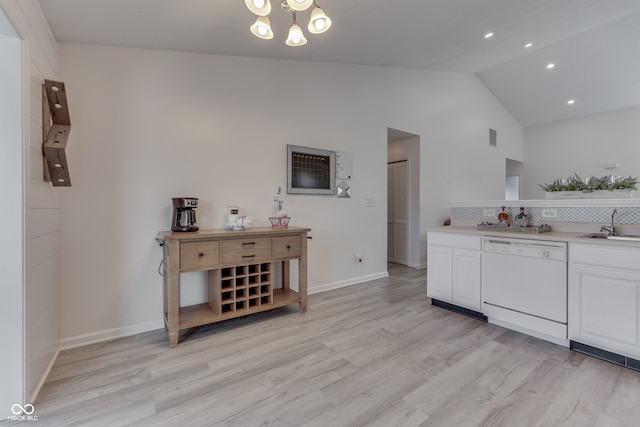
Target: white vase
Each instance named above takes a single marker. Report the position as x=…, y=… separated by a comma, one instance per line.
x=597, y=194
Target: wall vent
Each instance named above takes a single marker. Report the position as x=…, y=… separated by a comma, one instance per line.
x=493, y=137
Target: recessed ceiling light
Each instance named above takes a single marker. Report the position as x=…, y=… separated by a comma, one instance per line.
x=571, y=101
x=528, y=45
x=550, y=66
x=488, y=35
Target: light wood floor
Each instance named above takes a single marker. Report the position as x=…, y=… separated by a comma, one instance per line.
x=374, y=354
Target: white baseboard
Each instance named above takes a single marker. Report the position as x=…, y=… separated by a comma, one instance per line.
x=109, y=334
x=96, y=337
x=43, y=379
x=345, y=283
x=418, y=266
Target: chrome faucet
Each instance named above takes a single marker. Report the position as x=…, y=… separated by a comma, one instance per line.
x=611, y=230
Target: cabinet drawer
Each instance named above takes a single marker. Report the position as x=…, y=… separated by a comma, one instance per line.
x=246, y=250
x=617, y=257
x=287, y=247
x=199, y=255
x=455, y=240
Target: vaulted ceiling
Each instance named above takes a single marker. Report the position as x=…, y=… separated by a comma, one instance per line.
x=593, y=44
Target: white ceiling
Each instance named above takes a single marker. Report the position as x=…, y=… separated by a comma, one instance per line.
x=595, y=44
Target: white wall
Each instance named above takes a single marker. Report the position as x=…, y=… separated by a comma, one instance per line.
x=457, y=162
x=151, y=125
x=40, y=199
x=12, y=249
x=583, y=146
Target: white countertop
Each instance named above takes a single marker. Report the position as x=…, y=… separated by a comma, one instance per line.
x=558, y=236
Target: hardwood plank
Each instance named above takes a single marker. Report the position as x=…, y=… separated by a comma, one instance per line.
x=374, y=354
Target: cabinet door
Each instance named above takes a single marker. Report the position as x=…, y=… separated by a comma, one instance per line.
x=604, y=309
x=439, y=273
x=467, y=279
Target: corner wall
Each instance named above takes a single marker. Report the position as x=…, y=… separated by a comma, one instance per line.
x=12, y=357
x=40, y=199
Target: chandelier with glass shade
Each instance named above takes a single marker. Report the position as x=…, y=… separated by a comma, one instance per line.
x=319, y=22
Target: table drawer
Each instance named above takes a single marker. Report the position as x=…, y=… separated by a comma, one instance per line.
x=287, y=247
x=246, y=250
x=200, y=255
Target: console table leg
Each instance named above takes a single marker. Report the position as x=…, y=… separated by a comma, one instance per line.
x=173, y=339
x=302, y=276
x=172, y=293
x=286, y=274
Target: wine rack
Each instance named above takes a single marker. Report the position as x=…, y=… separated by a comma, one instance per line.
x=243, y=287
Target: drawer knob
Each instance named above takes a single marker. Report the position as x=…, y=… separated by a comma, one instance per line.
x=200, y=254
x=288, y=246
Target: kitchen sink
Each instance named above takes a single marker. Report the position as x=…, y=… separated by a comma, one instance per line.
x=594, y=236
x=628, y=237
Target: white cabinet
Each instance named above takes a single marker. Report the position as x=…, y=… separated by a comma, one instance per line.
x=604, y=297
x=454, y=269
x=467, y=278
x=440, y=272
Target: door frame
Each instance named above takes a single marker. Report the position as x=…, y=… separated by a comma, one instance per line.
x=12, y=252
x=409, y=148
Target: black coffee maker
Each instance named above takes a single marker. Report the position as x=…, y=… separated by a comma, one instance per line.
x=184, y=214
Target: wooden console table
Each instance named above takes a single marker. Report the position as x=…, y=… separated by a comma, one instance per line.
x=241, y=273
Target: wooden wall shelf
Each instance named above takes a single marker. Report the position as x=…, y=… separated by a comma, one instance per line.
x=56, y=125
x=241, y=273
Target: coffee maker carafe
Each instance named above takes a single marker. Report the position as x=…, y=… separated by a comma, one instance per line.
x=184, y=214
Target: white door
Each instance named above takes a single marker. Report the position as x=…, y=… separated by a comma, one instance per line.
x=397, y=211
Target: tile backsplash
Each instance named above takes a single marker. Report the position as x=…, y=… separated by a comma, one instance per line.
x=600, y=215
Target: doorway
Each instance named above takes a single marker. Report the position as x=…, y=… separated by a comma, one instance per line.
x=512, y=180
x=397, y=212
x=12, y=324
x=403, y=198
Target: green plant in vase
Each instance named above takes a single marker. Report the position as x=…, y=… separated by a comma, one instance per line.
x=591, y=184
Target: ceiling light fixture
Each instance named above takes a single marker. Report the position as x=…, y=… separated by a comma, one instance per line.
x=528, y=44
x=319, y=22
x=571, y=102
x=296, y=36
x=262, y=28
x=550, y=66
x=488, y=35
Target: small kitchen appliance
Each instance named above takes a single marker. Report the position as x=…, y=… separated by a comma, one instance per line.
x=233, y=213
x=235, y=221
x=184, y=214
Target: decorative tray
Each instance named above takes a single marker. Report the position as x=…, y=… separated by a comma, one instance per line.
x=532, y=229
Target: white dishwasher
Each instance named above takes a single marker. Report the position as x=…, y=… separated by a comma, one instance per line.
x=524, y=286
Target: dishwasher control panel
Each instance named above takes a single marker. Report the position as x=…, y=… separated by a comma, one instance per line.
x=541, y=249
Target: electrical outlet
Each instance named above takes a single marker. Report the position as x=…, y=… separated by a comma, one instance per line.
x=549, y=213
x=369, y=203
x=489, y=213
